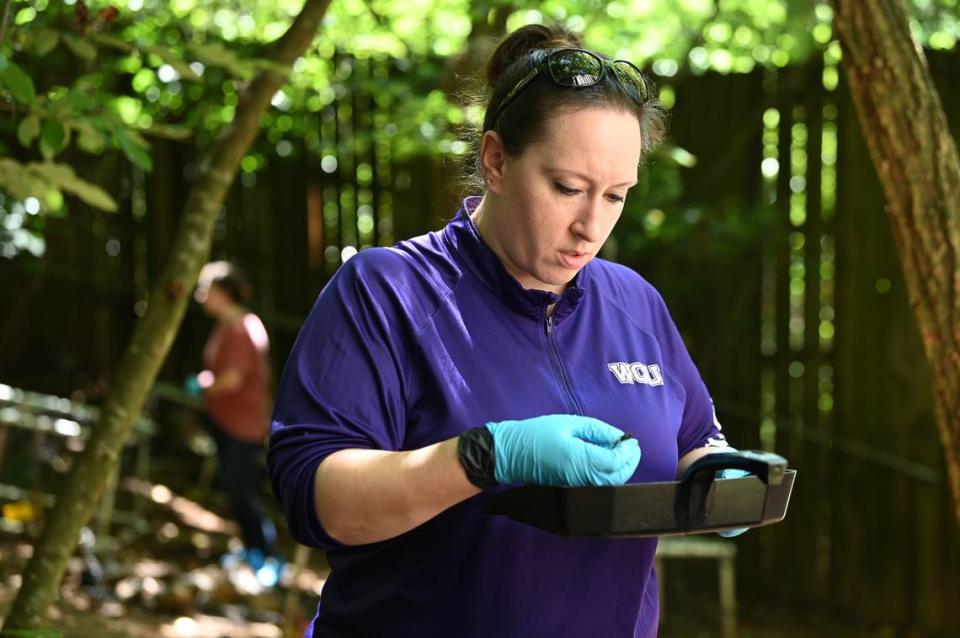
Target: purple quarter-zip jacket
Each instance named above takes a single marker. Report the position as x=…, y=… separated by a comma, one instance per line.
x=411, y=345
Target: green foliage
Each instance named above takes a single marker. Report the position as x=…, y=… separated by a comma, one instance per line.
x=17, y=83
x=28, y=130
x=46, y=180
x=176, y=70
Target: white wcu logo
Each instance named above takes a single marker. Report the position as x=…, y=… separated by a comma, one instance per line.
x=636, y=372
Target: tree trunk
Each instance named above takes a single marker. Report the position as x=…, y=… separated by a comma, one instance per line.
x=153, y=335
x=916, y=159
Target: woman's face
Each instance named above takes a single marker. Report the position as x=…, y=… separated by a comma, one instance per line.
x=214, y=299
x=559, y=200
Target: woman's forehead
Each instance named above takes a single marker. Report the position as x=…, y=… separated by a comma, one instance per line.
x=600, y=142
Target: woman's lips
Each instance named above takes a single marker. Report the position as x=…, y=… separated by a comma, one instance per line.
x=574, y=260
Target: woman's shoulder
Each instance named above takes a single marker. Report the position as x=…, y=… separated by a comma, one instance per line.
x=400, y=282
x=373, y=262
x=406, y=264
x=622, y=283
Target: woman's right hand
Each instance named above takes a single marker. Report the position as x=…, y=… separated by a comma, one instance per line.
x=562, y=449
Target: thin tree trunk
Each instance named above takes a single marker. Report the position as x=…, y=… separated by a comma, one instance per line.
x=916, y=158
x=153, y=335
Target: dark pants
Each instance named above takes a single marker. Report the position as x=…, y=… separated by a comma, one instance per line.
x=238, y=473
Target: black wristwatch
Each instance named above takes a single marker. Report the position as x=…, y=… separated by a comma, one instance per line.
x=475, y=450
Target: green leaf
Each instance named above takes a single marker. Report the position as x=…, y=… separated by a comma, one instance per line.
x=91, y=194
x=18, y=180
x=169, y=131
x=181, y=67
x=28, y=130
x=18, y=83
x=114, y=42
x=214, y=53
x=88, y=83
x=57, y=106
x=81, y=47
x=63, y=177
x=134, y=147
x=89, y=138
x=80, y=101
x=45, y=41
x=53, y=137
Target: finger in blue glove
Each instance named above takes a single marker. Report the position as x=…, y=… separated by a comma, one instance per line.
x=192, y=385
x=731, y=473
x=562, y=449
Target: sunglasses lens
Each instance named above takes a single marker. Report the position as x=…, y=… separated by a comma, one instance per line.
x=632, y=80
x=575, y=68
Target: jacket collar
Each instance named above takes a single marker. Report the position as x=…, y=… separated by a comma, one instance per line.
x=466, y=243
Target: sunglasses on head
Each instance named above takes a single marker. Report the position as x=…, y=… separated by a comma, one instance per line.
x=578, y=68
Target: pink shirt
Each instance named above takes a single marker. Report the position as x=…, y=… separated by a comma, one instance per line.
x=241, y=344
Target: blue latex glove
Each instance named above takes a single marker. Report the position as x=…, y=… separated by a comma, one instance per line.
x=562, y=449
x=192, y=385
x=731, y=473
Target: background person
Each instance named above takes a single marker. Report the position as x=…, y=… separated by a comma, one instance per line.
x=236, y=397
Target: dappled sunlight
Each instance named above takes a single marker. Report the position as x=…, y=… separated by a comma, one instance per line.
x=190, y=512
x=213, y=627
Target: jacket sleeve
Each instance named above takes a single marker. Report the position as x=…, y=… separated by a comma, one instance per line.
x=343, y=386
x=699, y=426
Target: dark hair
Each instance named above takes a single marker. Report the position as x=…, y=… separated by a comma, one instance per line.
x=523, y=121
x=229, y=278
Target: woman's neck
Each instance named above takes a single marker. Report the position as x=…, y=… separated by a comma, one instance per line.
x=231, y=314
x=483, y=220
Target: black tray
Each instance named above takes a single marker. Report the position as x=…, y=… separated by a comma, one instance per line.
x=696, y=504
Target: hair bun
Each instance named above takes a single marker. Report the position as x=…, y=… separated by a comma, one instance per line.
x=523, y=41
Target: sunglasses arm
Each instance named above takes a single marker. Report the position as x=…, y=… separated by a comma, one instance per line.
x=524, y=81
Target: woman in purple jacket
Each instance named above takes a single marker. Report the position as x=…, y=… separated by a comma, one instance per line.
x=493, y=352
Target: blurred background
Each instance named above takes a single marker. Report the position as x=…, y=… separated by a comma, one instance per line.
x=761, y=220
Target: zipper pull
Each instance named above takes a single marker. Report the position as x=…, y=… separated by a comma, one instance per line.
x=549, y=325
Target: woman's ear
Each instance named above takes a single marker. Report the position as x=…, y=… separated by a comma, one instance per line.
x=493, y=158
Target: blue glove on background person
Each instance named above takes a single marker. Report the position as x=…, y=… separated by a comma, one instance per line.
x=562, y=449
x=731, y=473
x=192, y=385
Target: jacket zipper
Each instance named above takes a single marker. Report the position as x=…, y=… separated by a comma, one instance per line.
x=558, y=363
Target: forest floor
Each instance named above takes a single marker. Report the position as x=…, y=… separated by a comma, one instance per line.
x=161, y=576
x=157, y=572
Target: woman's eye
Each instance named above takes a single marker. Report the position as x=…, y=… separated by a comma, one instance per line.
x=565, y=189
x=616, y=199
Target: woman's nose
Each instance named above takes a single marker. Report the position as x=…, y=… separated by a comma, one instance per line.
x=588, y=223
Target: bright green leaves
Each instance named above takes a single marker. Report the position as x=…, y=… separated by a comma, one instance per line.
x=43, y=41
x=14, y=80
x=81, y=47
x=134, y=146
x=54, y=137
x=28, y=129
x=46, y=180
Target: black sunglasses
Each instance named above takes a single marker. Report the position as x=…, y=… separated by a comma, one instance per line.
x=579, y=68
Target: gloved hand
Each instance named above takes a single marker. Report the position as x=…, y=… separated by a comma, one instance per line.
x=731, y=473
x=562, y=449
x=192, y=385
